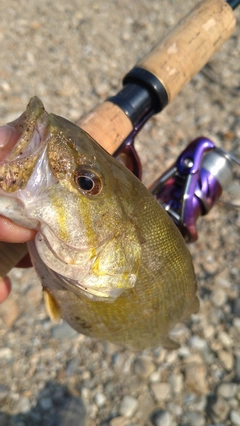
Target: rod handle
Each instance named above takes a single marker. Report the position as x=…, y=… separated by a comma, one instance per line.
x=108, y=125
x=190, y=45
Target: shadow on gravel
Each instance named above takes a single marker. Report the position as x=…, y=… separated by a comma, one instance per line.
x=55, y=407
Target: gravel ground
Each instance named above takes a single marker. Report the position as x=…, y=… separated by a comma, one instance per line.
x=73, y=55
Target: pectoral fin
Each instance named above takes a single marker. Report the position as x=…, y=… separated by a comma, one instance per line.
x=52, y=307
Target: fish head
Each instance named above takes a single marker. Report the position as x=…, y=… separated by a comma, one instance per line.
x=59, y=181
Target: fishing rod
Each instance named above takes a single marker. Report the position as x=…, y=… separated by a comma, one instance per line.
x=151, y=85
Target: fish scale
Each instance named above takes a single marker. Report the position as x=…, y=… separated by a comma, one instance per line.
x=111, y=261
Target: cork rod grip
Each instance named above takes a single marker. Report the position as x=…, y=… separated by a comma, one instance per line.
x=108, y=125
x=190, y=45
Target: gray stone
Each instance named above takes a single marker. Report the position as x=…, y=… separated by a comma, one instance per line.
x=236, y=323
x=235, y=417
x=175, y=409
x=72, y=412
x=162, y=418
x=72, y=366
x=236, y=307
x=237, y=367
x=143, y=366
x=100, y=399
x=199, y=404
x=4, y=390
x=63, y=331
x=197, y=343
x=128, y=406
x=183, y=351
x=4, y=419
x=234, y=403
x=220, y=409
x=194, y=419
x=189, y=399
x=227, y=390
x=45, y=403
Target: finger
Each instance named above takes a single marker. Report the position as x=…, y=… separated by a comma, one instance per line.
x=5, y=288
x=12, y=233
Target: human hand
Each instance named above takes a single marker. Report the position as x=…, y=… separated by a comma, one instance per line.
x=10, y=232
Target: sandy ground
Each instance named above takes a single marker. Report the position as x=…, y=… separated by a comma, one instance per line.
x=73, y=55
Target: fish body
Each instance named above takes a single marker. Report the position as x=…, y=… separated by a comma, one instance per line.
x=111, y=261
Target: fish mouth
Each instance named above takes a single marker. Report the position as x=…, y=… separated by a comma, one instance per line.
x=31, y=130
x=25, y=170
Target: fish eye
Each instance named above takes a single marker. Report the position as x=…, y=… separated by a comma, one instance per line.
x=88, y=181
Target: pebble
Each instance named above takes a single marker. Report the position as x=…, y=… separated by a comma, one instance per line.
x=128, y=406
x=225, y=339
x=4, y=390
x=24, y=405
x=175, y=409
x=118, y=421
x=162, y=418
x=195, y=378
x=189, y=399
x=155, y=376
x=143, y=366
x=100, y=399
x=227, y=359
x=227, y=390
x=34, y=295
x=197, y=343
x=63, y=330
x=45, y=403
x=220, y=409
x=236, y=307
x=234, y=403
x=209, y=331
x=236, y=323
x=210, y=265
x=219, y=297
x=161, y=391
x=199, y=404
x=194, y=419
x=9, y=312
x=237, y=367
x=72, y=412
x=235, y=417
x=176, y=382
x=4, y=419
x=72, y=366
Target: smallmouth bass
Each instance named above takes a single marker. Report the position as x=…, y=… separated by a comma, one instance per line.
x=111, y=261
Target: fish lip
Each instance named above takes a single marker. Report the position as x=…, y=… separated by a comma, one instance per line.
x=34, y=146
x=31, y=129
